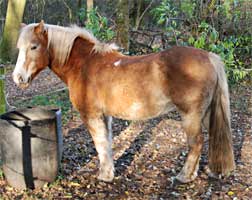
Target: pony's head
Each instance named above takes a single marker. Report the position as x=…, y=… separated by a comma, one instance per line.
x=33, y=53
x=35, y=41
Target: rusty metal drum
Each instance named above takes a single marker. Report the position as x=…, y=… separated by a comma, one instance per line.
x=31, y=146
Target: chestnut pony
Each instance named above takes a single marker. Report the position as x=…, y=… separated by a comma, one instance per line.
x=104, y=83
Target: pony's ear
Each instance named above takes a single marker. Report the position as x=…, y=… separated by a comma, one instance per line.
x=40, y=28
x=22, y=25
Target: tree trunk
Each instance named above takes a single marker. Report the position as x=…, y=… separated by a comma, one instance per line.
x=14, y=17
x=90, y=5
x=2, y=89
x=80, y=21
x=138, y=14
x=70, y=15
x=122, y=22
x=79, y=4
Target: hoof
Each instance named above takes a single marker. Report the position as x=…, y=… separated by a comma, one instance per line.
x=107, y=176
x=181, y=177
x=212, y=174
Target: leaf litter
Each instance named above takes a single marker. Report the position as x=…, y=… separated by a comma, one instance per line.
x=148, y=155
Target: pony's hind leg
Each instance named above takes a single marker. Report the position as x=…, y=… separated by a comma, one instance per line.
x=101, y=132
x=192, y=126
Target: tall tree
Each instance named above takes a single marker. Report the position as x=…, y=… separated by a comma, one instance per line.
x=122, y=22
x=90, y=5
x=14, y=17
x=70, y=13
x=79, y=19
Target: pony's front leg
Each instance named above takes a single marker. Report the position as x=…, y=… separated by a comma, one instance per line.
x=101, y=132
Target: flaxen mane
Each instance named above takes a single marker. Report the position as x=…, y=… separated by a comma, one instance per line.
x=61, y=39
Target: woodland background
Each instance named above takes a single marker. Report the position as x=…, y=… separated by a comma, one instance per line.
x=148, y=155
x=144, y=26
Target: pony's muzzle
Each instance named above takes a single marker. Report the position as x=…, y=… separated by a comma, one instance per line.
x=20, y=81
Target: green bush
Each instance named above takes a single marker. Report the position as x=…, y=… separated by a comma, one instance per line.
x=97, y=24
x=208, y=38
x=184, y=24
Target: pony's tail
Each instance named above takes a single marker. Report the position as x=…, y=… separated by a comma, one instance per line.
x=221, y=156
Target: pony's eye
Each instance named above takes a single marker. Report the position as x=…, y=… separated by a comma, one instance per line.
x=33, y=47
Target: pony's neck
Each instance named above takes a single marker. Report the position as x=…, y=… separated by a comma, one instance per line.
x=82, y=51
x=70, y=48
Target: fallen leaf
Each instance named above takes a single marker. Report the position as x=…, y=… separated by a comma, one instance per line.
x=230, y=193
x=74, y=184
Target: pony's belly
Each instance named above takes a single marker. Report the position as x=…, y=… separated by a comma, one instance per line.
x=143, y=110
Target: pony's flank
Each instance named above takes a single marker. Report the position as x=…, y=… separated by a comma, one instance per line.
x=61, y=39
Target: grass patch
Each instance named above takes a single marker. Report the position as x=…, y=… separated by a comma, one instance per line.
x=1, y=173
x=59, y=99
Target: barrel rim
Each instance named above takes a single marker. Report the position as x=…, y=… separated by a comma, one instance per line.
x=53, y=111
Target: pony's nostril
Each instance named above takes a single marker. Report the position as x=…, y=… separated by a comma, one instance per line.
x=20, y=79
x=29, y=79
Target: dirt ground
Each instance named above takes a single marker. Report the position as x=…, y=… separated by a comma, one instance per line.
x=148, y=155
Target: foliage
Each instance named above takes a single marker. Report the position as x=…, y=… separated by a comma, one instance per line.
x=1, y=172
x=208, y=38
x=165, y=12
x=188, y=8
x=97, y=24
x=187, y=23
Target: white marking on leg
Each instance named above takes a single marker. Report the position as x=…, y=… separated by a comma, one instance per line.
x=109, y=127
x=103, y=140
x=117, y=63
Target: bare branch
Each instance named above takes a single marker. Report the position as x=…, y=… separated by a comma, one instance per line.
x=69, y=11
x=142, y=15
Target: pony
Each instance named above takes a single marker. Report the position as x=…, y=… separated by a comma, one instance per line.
x=103, y=83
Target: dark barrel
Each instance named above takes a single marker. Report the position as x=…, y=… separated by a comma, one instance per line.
x=31, y=146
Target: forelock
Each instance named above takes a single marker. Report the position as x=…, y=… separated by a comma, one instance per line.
x=25, y=35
